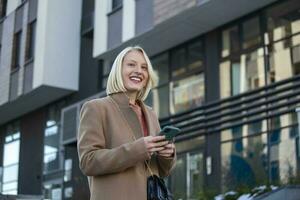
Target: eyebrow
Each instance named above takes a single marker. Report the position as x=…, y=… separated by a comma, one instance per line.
x=135, y=62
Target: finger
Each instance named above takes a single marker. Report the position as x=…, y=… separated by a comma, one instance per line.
x=160, y=144
x=165, y=155
x=166, y=151
x=158, y=138
x=156, y=149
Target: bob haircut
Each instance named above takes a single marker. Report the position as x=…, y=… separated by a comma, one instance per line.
x=115, y=82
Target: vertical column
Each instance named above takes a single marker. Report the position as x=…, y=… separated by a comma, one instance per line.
x=100, y=27
x=6, y=56
x=128, y=29
x=31, y=153
x=213, y=148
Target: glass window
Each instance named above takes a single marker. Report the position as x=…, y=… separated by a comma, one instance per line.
x=161, y=67
x=283, y=20
x=68, y=170
x=244, y=130
x=242, y=74
x=105, y=66
x=283, y=40
x=158, y=98
x=187, y=59
x=116, y=4
x=195, y=56
x=11, y=160
x=179, y=62
x=284, y=59
x=195, y=168
x=244, y=162
x=225, y=79
x=251, y=33
x=283, y=121
x=3, y=4
x=230, y=41
x=187, y=178
x=30, y=43
x=283, y=154
x=52, y=139
x=53, y=191
x=187, y=93
x=16, y=55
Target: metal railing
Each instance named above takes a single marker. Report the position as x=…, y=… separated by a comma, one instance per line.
x=262, y=103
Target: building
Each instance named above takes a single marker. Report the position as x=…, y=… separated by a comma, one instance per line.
x=229, y=78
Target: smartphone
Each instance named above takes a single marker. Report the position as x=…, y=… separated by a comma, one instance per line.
x=170, y=132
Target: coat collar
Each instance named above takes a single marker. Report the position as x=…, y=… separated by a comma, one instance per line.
x=129, y=114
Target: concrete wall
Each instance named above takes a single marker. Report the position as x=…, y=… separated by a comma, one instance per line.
x=57, y=44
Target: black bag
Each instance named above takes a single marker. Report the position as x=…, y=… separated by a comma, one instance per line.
x=157, y=190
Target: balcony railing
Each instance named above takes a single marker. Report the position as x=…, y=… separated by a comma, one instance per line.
x=263, y=103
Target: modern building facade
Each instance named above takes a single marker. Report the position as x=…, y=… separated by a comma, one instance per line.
x=228, y=77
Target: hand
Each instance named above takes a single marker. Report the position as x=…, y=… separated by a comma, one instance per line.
x=155, y=143
x=168, y=151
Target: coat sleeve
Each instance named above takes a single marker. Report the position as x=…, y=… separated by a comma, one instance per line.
x=165, y=165
x=94, y=158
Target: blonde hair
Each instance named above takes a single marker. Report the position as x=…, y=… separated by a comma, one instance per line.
x=115, y=82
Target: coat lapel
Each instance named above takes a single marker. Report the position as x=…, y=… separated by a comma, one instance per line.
x=130, y=116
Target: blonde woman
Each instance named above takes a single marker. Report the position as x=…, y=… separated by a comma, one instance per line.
x=118, y=133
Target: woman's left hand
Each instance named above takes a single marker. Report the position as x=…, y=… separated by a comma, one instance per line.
x=168, y=150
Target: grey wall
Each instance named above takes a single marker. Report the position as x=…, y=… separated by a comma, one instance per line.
x=164, y=10
x=114, y=29
x=143, y=16
x=6, y=56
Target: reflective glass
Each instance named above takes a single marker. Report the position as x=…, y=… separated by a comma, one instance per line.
x=230, y=41
x=51, y=130
x=251, y=33
x=283, y=121
x=161, y=67
x=283, y=154
x=178, y=179
x=187, y=93
x=248, y=73
x=244, y=130
x=10, y=186
x=196, y=174
x=178, y=62
x=10, y=173
x=195, y=54
x=283, y=20
x=51, y=162
x=244, y=162
x=11, y=153
x=284, y=59
x=160, y=99
x=10, y=192
x=225, y=79
x=189, y=145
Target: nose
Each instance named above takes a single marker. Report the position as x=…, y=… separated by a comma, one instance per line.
x=138, y=69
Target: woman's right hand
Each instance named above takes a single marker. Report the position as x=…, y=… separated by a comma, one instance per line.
x=155, y=143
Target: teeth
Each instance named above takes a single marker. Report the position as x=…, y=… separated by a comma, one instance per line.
x=136, y=78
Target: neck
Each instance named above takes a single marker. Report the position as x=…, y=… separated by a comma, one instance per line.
x=132, y=96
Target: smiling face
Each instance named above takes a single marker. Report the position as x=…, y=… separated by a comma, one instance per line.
x=134, y=72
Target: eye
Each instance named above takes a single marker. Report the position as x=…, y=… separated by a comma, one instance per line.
x=144, y=67
x=131, y=64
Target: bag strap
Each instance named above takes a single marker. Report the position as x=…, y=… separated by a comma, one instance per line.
x=132, y=133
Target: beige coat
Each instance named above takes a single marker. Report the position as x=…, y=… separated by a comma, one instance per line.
x=108, y=154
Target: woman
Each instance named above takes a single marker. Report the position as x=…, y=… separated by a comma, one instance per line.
x=117, y=134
